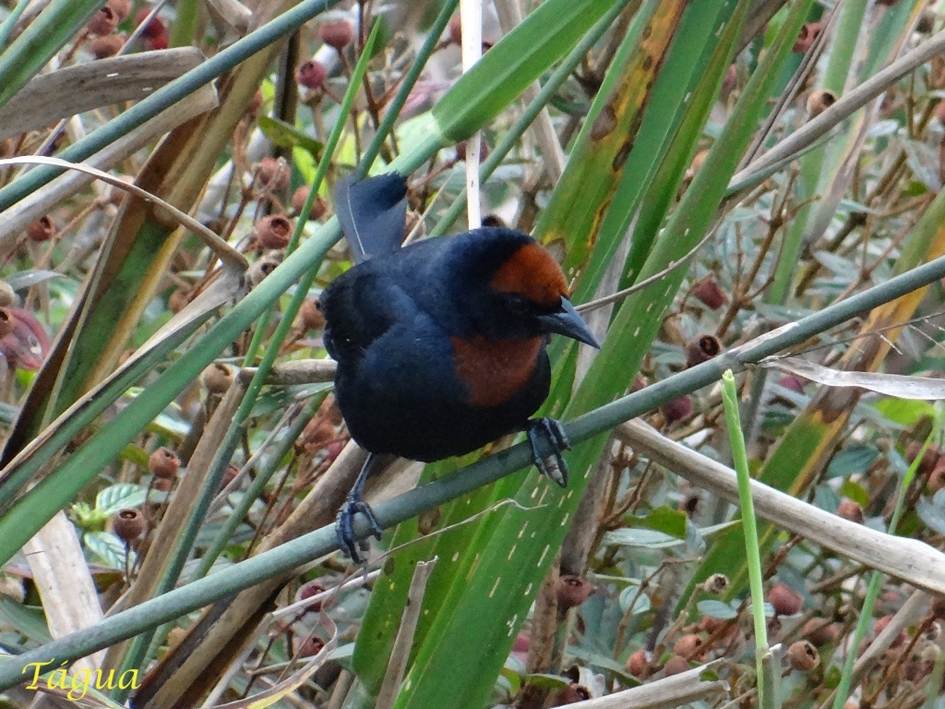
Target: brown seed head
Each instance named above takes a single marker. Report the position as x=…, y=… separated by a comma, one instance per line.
x=803, y=656
x=702, y=349
x=574, y=692
x=298, y=201
x=708, y=292
x=638, y=664
x=121, y=8
x=807, y=36
x=819, y=631
x=103, y=22
x=336, y=33
x=677, y=409
x=784, y=600
x=850, y=510
x=217, y=378
x=7, y=294
x=675, y=665
x=311, y=74
x=7, y=323
x=273, y=231
x=819, y=101
x=687, y=645
x=272, y=173
x=572, y=591
x=106, y=46
x=716, y=584
x=164, y=464
x=41, y=230
x=128, y=524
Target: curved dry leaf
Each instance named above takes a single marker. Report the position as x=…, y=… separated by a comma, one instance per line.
x=898, y=385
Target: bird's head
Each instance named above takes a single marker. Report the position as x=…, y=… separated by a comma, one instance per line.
x=515, y=288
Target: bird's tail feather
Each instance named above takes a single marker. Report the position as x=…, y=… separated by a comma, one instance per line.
x=373, y=214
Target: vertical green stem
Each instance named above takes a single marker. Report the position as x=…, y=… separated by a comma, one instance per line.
x=750, y=527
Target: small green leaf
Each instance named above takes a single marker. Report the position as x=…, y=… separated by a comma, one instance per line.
x=853, y=459
x=716, y=609
x=115, y=497
x=665, y=519
x=285, y=135
x=108, y=548
x=28, y=620
x=907, y=412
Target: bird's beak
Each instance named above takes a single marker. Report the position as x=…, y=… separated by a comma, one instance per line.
x=568, y=322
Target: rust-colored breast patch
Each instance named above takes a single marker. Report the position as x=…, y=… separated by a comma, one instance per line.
x=532, y=272
x=494, y=370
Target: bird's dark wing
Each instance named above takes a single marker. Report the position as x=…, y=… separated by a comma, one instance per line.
x=359, y=307
x=372, y=213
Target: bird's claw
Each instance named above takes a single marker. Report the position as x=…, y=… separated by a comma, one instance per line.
x=553, y=465
x=345, y=526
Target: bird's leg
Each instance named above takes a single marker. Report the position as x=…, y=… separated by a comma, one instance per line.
x=552, y=466
x=354, y=504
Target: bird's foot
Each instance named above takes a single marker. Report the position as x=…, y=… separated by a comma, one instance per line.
x=345, y=526
x=546, y=433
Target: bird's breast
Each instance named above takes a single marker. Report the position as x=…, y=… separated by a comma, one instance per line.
x=493, y=371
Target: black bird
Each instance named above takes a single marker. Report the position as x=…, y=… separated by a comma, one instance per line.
x=440, y=344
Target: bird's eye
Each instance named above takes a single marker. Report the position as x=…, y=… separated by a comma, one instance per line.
x=519, y=305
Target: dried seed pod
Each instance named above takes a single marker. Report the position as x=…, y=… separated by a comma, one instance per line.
x=784, y=600
x=272, y=173
x=574, y=692
x=273, y=232
x=310, y=316
x=217, y=378
x=229, y=475
x=572, y=591
x=121, y=8
x=638, y=664
x=483, y=150
x=107, y=45
x=819, y=101
x=675, y=665
x=792, y=382
x=850, y=510
x=7, y=323
x=803, y=656
x=716, y=584
x=7, y=294
x=128, y=524
x=164, y=464
x=702, y=349
x=311, y=74
x=312, y=588
x=103, y=22
x=807, y=36
x=687, y=645
x=336, y=33
x=677, y=409
x=819, y=631
x=708, y=292
x=261, y=268
x=41, y=230
x=311, y=646
x=298, y=201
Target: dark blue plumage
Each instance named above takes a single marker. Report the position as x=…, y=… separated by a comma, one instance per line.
x=441, y=344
